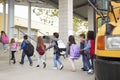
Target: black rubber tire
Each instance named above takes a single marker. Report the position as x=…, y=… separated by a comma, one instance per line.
x=107, y=70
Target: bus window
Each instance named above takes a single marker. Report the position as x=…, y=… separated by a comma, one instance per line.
x=100, y=22
x=116, y=0
x=102, y=5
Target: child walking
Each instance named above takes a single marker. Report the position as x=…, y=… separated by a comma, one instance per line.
x=4, y=40
x=40, y=49
x=56, y=57
x=74, y=52
x=13, y=48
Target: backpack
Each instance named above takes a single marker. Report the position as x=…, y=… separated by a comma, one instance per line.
x=29, y=49
x=5, y=39
x=41, y=50
x=61, y=46
x=74, y=51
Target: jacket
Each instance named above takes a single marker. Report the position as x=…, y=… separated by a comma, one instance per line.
x=54, y=45
x=92, y=51
x=24, y=43
x=14, y=46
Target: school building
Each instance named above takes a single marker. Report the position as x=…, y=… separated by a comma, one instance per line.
x=37, y=28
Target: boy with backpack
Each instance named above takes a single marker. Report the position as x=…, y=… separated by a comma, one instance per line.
x=25, y=47
x=82, y=43
x=56, y=51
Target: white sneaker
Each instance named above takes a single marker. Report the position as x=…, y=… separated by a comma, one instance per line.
x=61, y=67
x=5, y=51
x=55, y=68
x=90, y=71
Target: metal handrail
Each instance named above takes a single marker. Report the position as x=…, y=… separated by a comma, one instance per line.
x=28, y=36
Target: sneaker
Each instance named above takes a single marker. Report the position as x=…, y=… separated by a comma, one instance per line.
x=55, y=68
x=38, y=66
x=14, y=62
x=11, y=58
x=84, y=69
x=20, y=62
x=73, y=70
x=90, y=71
x=31, y=64
x=5, y=51
x=44, y=65
x=61, y=67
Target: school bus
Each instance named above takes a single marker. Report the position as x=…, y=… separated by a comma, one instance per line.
x=107, y=42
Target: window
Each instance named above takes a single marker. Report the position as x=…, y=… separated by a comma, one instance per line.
x=102, y=5
x=100, y=22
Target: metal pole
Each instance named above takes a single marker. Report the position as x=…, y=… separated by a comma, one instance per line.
x=29, y=19
x=11, y=18
x=4, y=16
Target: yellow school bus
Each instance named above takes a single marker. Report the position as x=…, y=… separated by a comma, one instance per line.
x=107, y=43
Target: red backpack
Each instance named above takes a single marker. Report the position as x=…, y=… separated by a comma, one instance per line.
x=41, y=50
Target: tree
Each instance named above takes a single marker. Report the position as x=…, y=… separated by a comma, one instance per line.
x=48, y=16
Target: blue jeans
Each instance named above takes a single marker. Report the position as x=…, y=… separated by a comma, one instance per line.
x=56, y=59
x=4, y=46
x=23, y=56
x=86, y=62
x=92, y=61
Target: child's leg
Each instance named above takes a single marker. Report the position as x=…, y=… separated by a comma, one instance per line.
x=12, y=53
x=4, y=46
x=13, y=56
x=72, y=64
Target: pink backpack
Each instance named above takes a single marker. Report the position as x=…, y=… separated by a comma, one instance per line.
x=5, y=39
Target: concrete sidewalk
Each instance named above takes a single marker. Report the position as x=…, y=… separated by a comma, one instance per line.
x=26, y=72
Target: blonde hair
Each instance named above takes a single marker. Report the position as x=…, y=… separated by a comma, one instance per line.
x=12, y=40
x=40, y=41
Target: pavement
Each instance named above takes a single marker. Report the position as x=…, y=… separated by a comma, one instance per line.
x=26, y=72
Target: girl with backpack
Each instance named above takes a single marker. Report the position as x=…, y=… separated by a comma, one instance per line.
x=90, y=36
x=13, y=48
x=4, y=40
x=74, y=52
x=41, y=50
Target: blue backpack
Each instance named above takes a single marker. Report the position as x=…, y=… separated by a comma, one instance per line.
x=74, y=51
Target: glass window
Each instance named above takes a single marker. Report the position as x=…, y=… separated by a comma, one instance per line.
x=102, y=5
x=116, y=0
x=100, y=22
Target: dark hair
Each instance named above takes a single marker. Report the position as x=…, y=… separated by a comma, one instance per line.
x=90, y=35
x=25, y=36
x=56, y=35
x=82, y=35
x=72, y=39
x=3, y=32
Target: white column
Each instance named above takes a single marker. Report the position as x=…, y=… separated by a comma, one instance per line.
x=4, y=16
x=90, y=19
x=65, y=19
x=29, y=19
x=11, y=18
